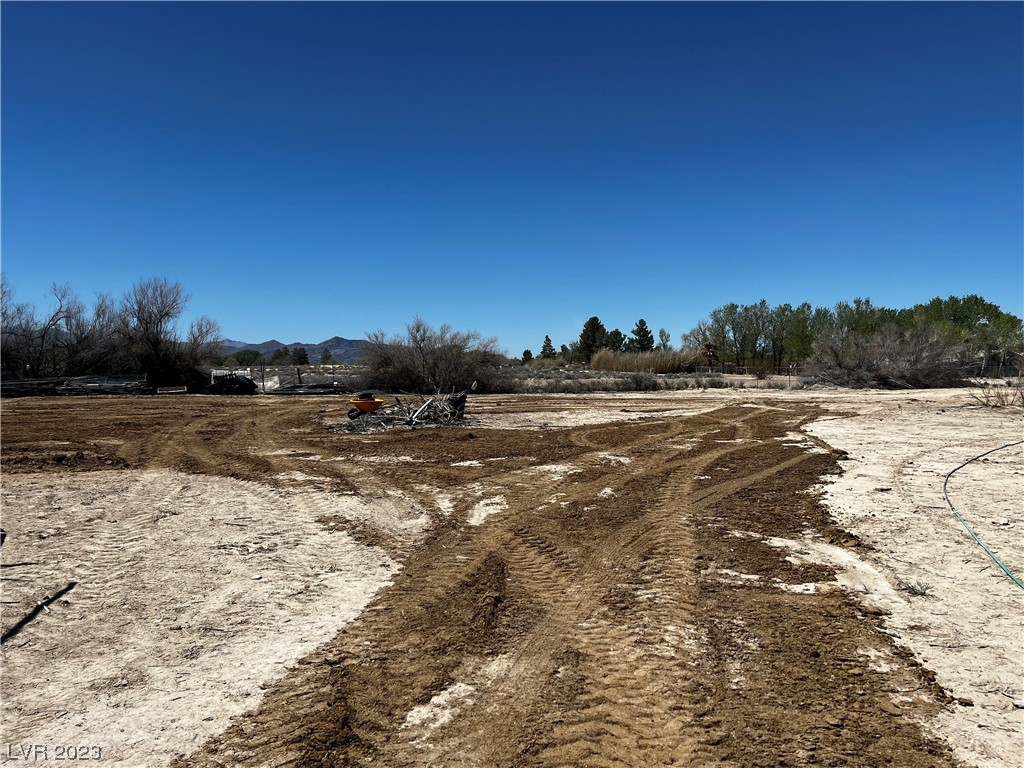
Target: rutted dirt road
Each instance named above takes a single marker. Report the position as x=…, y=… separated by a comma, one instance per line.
x=620, y=593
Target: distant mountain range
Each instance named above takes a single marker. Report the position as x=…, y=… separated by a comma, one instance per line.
x=342, y=350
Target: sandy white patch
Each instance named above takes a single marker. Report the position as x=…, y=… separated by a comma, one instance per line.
x=736, y=575
x=443, y=706
x=485, y=508
x=440, y=709
x=191, y=593
x=557, y=411
x=968, y=628
x=442, y=499
x=798, y=440
x=852, y=571
x=390, y=459
x=800, y=589
x=300, y=477
x=557, y=471
x=615, y=459
x=468, y=463
x=878, y=660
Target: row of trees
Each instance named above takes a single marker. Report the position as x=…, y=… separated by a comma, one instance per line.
x=955, y=334
x=595, y=337
x=139, y=333
x=969, y=329
x=931, y=343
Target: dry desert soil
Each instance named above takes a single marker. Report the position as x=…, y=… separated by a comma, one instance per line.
x=726, y=578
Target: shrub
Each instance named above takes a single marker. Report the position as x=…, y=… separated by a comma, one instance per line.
x=544, y=363
x=1010, y=396
x=921, y=356
x=426, y=359
x=918, y=589
x=643, y=382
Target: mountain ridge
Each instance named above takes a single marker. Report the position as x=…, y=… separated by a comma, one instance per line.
x=342, y=350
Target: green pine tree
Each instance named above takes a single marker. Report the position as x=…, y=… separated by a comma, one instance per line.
x=592, y=338
x=643, y=339
x=547, y=351
x=615, y=341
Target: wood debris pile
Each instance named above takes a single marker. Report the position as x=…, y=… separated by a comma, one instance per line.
x=410, y=411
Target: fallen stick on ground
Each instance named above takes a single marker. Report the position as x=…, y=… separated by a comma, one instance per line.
x=42, y=605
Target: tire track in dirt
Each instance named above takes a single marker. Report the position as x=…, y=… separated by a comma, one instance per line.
x=797, y=667
x=609, y=616
x=587, y=605
x=576, y=625
x=640, y=713
x=632, y=712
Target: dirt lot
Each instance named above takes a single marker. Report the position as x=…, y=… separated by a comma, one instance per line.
x=689, y=578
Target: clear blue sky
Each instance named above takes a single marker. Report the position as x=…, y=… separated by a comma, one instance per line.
x=313, y=169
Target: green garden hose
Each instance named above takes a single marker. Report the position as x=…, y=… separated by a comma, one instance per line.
x=970, y=530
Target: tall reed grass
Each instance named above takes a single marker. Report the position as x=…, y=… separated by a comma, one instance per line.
x=645, y=362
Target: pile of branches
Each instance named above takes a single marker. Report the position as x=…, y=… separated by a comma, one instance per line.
x=413, y=411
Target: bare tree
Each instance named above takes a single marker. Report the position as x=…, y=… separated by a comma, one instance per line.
x=203, y=341
x=148, y=319
x=149, y=313
x=31, y=342
x=17, y=326
x=138, y=334
x=927, y=354
x=151, y=308
x=88, y=339
x=430, y=359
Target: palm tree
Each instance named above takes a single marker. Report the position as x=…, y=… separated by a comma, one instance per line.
x=709, y=352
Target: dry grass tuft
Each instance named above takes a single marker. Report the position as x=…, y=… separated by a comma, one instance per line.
x=1009, y=396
